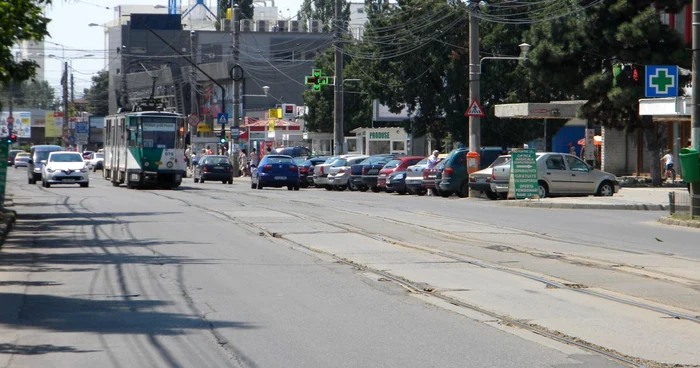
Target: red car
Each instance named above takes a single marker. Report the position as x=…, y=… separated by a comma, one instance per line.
x=400, y=163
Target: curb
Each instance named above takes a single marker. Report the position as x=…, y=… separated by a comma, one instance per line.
x=671, y=221
x=587, y=206
x=9, y=217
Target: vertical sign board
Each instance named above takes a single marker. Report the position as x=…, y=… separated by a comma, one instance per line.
x=523, y=174
x=589, y=147
x=4, y=152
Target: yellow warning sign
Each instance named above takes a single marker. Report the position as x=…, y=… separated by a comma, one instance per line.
x=203, y=128
x=275, y=113
x=271, y=125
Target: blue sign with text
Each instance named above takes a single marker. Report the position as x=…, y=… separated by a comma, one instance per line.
x=222, y=118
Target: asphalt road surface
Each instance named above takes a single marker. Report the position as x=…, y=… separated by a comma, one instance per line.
x=213, y=275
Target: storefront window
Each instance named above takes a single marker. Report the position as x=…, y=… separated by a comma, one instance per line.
x=398, y=146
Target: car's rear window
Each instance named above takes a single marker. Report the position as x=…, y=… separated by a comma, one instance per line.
x=66, y=157
x=423, y=161
x=340, y=162
x=279, y=160
x=99, y=155
x=392, y=164
x=501, y=160
x=216, y=161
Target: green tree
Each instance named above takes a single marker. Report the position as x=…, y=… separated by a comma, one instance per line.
x=588, y=49
x=30, y=94
x=97, y=95
x=245, y=5
x=20, y=20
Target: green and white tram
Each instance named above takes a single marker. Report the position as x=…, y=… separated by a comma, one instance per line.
x=144, y=149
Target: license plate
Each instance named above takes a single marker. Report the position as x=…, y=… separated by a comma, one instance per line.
x=372, y=172
x=68, y=180
x=388, y=181
x=218, y=167
x=480, y=180
x=280, y=178
x=382, y=176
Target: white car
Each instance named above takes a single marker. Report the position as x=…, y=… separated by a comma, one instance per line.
x=339, y=172
x=96, y=161
x=64, y=167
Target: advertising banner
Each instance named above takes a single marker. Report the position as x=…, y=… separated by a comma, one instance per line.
x=22, y=124
x=54, y=125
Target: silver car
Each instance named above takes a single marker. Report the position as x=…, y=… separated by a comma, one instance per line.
x=560, y=174
x=339, y=172
x=64, y=167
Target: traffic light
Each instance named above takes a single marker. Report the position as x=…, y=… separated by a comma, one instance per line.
x=222, y=140
x=12, y=138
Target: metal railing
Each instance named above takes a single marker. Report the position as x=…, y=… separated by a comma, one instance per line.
x=679, y=203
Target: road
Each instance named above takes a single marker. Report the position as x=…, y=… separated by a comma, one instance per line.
x=222, y=275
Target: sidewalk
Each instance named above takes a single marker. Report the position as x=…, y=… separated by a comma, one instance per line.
x=644, y=199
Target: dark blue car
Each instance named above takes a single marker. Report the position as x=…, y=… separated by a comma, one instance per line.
x=275, y=171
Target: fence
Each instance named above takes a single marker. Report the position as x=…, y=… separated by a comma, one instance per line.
x=679, y=203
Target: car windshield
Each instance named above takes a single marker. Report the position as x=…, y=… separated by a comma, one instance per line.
x=501, y=160
x=392, y=164
x=66, y=157
x=216, y=161
x=279, y=160
x=99, y=155
x=299, y=160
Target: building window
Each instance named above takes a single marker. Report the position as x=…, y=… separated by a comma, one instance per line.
x=398, y=146
x=360, y=10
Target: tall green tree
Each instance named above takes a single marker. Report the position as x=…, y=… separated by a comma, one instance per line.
x=587, y=50
x=30, y=94
x=20, y=20
x=97, y=95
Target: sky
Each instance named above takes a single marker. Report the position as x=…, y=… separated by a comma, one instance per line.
x=69, y=28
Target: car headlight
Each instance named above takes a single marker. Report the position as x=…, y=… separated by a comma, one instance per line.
x=84, y=169
x=50, y=169
x=399, y=176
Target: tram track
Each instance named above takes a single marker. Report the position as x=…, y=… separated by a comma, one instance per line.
x=429, y=292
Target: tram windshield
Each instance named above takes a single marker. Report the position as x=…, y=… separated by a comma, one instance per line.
x=158, y=132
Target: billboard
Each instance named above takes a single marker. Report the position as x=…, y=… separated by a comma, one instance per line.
x=22, y=125
x=54, y=125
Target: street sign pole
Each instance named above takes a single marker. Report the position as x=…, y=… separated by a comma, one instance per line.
x=4, y=152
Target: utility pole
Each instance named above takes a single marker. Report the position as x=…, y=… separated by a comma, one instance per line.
x=235, y=122
x=474, y=84
x=695, y=129
x=338, y=113
x=72, y=87
x=193, y=81
x=66, y=118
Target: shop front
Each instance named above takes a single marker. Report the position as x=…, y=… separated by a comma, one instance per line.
x=373, y=141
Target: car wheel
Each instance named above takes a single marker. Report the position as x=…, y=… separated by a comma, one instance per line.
x=341, y=187
x=296, y=187
x=304, y=185
x=445, y=194
x=328, y=187
x=543, y=189
x=463, y=191
x=196, y=180
x=84, y=185
x=230, y=181
x=375, y=189
x=605, y=190
x=224, y=181
x=363, y=189
x=491, y=195
x=401, y=192
x=201, y=181
x=422, y=192
x=389, y=191
x=290, y=188
x=47, y=185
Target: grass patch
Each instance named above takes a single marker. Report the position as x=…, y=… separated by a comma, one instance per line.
x=685, y=216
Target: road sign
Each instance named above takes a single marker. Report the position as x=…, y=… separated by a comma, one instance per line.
x=222, y=118
x=275, y=113
x=271, y=125
x=661, y=81
x=193, y=120
x=203, y=128
x=10, y=120
x=81, y=127
x=474, y=109
x=81, y=138
x=523, y=174
x=234, y=132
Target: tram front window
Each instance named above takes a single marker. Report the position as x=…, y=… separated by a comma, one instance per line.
x=158, y=132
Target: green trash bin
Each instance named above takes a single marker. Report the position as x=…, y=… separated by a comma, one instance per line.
x=690, y=164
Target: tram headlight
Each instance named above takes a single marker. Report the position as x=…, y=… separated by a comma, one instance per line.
x=147, y=164
x=169, y=165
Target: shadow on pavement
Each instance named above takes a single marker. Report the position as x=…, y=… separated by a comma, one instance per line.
x=70, y=314
x=29, y=283
x=38, y=349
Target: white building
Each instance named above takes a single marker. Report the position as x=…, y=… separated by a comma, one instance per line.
x=34, y=51
x=358, y=19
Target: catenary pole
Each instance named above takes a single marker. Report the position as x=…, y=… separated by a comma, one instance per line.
x=338, y=111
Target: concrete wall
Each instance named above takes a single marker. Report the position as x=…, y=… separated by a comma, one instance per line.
x=619, y=152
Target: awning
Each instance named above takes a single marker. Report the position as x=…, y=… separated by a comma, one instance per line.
x=243, y=135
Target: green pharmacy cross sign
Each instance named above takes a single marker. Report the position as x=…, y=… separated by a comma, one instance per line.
x=317, y=79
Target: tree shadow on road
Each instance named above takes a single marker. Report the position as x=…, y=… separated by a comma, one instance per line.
x=38, y=349
x=72, y=314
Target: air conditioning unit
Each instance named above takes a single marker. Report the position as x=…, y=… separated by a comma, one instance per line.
x=282, y=26
x=315, y=26
x=294, y=26
x=226, y=25
x=262, y=26
x=246, y=25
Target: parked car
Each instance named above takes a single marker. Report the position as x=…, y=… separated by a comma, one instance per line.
x=11, y=156
x=321, y=173
x=481, y=180
x=400, y=163
x=298, y=151
x=96, y=161
x=21, y=159
x=275, y=171
x=306, y=170
x=432, y=178
x=414, y=175
x=339, y=176
x=87, y=154
x=561, y=174
x=64, y=167
x=37, y=154
x=214, y=168
x=455, y=178
x=356, y=171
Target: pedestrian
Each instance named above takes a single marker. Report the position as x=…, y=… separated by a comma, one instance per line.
x=243, y=162
x=209, y=151
x=667, y=161
x=188, y=156
x=195, y=159
x=269, y=151
x=572, y=149
x=254, y=158
x=432, y=162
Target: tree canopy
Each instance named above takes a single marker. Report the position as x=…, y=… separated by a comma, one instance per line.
x=30, y=94
x=97, y=95
x=20, y=20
